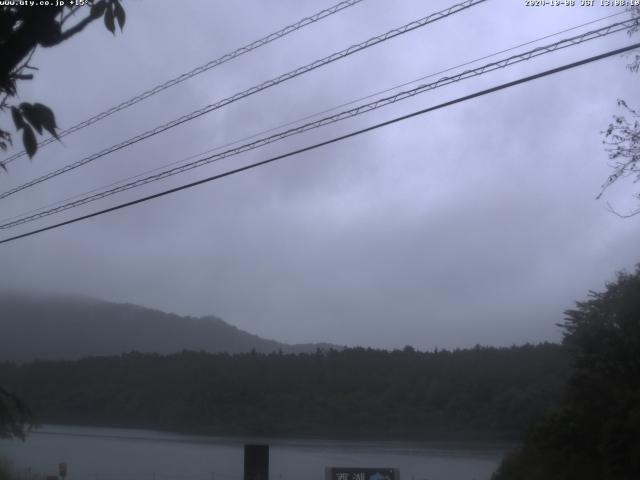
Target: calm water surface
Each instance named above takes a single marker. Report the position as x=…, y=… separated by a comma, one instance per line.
x=118, y=454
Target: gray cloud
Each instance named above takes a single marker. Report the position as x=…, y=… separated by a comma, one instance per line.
x=474, y=224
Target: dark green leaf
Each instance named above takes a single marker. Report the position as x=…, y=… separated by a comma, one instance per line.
x=29, y=141
x=97, y=9
x=31, y=115
x=40, y=116
x=119, y=12
x=46, y=117
x=108, y=20
x=17, y=118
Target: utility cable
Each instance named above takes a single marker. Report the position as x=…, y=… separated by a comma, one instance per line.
x=255, y=89
x=361, y=109
x=465, y=98
x=307, y=117
x=196, y=71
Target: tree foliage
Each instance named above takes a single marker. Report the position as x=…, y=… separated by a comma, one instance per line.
x=484, y=392
x=622, y=136
x=596, y=433
x=15, y=416
x=25, y=27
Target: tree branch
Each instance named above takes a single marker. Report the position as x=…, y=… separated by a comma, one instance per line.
x=77, y=28
x=633, y=213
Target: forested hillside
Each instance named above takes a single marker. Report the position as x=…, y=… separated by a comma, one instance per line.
x=65, y=327
x=355, y=392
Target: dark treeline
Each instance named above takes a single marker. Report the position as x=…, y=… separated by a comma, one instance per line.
x=475, y=393
x=594, y=434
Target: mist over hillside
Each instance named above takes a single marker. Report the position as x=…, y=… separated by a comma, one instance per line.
x=68, y=327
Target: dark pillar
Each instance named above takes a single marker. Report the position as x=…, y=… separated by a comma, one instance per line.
x=256, y=462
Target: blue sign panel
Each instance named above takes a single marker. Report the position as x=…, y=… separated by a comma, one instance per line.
x=354, y=473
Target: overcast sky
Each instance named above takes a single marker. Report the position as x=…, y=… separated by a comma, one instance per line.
x=473, y=224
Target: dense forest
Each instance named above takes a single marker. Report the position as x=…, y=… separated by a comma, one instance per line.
x=474, y=393
x=594, y=434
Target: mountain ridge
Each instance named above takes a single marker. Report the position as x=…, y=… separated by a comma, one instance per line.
x=68, y=327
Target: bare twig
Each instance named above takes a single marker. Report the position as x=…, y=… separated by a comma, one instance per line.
x=633, y=213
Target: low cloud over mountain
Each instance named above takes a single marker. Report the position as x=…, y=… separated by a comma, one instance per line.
x=65, y=327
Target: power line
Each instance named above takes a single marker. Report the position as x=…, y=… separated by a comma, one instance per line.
x=307, y=117
x=341, y=116
x=512, y=60
x=255, y=89
x=331, y=141
x=196, y=71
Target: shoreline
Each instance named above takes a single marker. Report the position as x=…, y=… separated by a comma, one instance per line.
x=432, y=442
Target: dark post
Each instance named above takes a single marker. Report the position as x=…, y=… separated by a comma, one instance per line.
x=256, y=462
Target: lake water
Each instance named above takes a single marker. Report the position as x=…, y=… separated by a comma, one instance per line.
x=118, y=454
